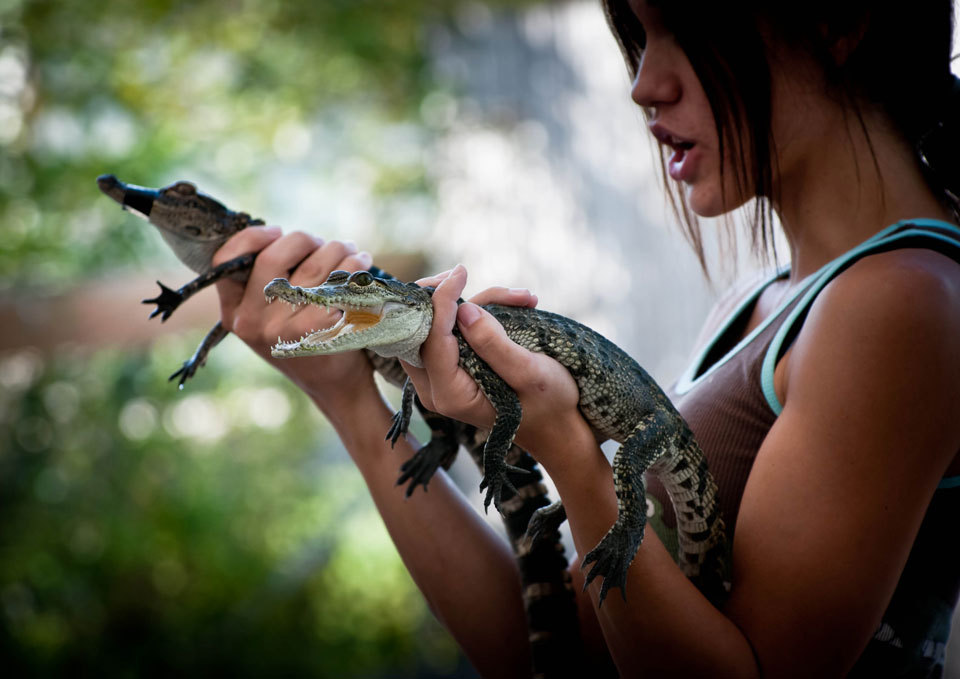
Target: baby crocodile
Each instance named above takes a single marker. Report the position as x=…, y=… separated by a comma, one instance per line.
x=195, y=226
x=617, y=397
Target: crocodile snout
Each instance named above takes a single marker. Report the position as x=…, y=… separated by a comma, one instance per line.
x=111, y=186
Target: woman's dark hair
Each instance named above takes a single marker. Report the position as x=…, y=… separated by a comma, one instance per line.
x=872, y=53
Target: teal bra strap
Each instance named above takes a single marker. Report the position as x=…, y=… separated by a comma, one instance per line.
x=828, y=273
x=690, y=377
x=949, y=482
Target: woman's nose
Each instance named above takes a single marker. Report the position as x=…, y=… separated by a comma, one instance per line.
x=656, y=83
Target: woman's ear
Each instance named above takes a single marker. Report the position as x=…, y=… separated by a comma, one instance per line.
x=842, y=39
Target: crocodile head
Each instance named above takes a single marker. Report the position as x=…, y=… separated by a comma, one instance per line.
x=387, y=316
x=193, y=224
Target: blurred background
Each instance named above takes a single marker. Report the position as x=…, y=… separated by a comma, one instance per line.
x=222, y=529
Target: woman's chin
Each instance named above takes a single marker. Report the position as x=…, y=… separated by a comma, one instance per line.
x=707, y=201
x=702, y=201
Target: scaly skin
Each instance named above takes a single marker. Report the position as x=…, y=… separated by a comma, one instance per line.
x=618, y=399
x=195, y=226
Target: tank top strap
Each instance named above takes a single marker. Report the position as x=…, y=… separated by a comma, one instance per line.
x=929, y=234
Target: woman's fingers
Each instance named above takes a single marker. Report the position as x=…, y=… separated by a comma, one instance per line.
x=441, y=383
x=434, y=280
x=277, y=260
x=486, y=336
x=506, y=296
x=251, y=239
x=329, y=257
x=303, y=259
x=440, y=352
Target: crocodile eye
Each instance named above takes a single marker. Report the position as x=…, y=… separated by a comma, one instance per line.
x=361, y=278
x=192, y=230
x=337, y=277
x=184, y=189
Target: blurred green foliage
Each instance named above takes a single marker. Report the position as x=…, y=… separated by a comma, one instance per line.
x=220, y=530
x=148, y=89
x=148, y=533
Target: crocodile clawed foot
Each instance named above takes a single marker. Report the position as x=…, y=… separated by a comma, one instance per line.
x=496, y=481
x=420, y=468
x=167, y=302
x=186, y=371
x=397, y=429
x=613, y=556
x=545, y=522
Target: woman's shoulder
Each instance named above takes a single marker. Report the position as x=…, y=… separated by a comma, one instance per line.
x=912, y=284
x=889, y=322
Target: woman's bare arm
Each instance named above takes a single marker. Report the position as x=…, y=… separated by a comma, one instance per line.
x=466, y=572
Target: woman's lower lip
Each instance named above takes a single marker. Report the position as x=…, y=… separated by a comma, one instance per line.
x=681, y=164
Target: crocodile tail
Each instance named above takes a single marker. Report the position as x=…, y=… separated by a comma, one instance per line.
x=548, y=594
x=701, y=533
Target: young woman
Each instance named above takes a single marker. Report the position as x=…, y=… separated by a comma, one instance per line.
x=827, y=399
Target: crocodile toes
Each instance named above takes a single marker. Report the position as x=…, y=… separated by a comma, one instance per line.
x=398, y=428
x=185, y=373
x=613, y=556
x=420, y=468
x=546, y=521
x=495, y=485
x=167, y=302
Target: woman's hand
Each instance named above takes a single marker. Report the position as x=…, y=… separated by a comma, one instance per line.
x=306, y=261
x=547, y=391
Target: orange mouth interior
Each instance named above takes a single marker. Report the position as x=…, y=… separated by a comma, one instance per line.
x=360, y=320
x=352, y=320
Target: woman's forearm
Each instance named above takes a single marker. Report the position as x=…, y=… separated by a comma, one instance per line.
x=466, y=572
x=665, y=627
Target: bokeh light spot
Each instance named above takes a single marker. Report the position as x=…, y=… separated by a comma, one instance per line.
x=138, y=419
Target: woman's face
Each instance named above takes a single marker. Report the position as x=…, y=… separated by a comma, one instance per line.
x=803, y=118
x=680, y=118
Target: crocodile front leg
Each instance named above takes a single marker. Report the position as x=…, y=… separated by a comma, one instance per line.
x=168, y=300
x=192, y=364
x=401, y=418
x=506, y=404
x=644, y=446
x=439, y=451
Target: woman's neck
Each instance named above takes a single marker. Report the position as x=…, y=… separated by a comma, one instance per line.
x=848, y=189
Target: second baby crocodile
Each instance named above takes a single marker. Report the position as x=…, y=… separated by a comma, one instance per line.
x=618, y=399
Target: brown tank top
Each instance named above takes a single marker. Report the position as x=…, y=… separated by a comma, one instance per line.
x=722, y=400
x=727, y=398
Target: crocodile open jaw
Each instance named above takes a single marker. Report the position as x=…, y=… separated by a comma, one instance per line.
x=354, y=319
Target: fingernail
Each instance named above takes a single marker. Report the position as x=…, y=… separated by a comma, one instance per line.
x=520, y=291
x=350, y=245
x=468, y=314
x=365, y=258
x=273, y=230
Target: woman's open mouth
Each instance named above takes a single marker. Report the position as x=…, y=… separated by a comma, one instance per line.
x=678, y=166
